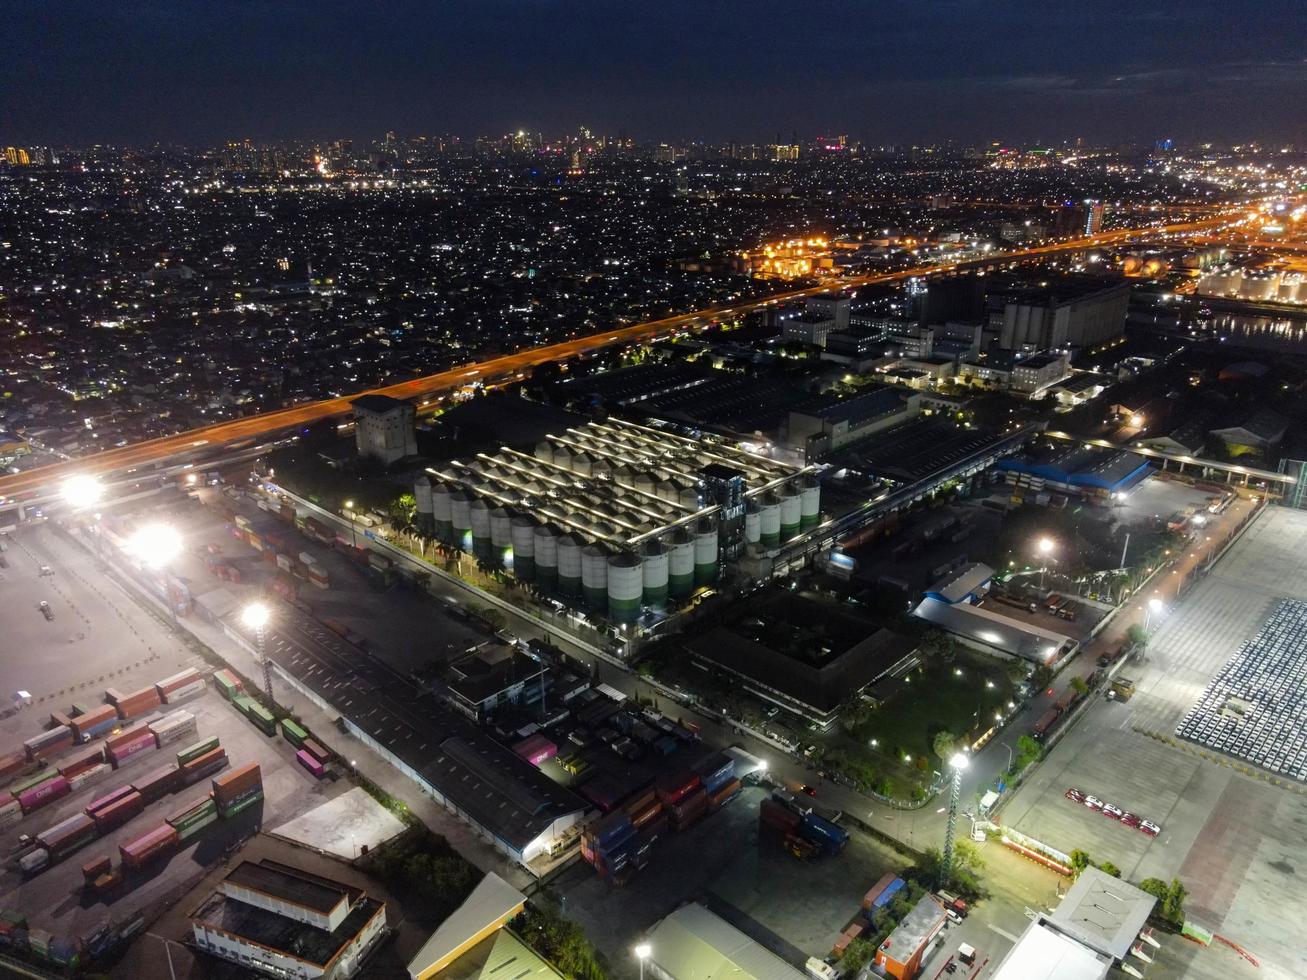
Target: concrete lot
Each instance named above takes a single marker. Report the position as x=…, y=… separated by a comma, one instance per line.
x=54, y=898
x=1157, y=498
x=1234, y=841
x=344, y=825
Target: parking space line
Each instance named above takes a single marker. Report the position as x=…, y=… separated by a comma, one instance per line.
x=1003, y=932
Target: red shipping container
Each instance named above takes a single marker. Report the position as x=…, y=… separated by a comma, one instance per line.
x=158, y=784
x=137, y=703
x=12, y=764
x=146, y=743
x=316, y=750
x=81, y=762
x=200, y=761
x=96, y=716
x=233, y=784
x=130, y=735
x=95, y=867
x=109, y=799
x=157, y=842
x=60, y=720
x=674, y=787
x=178, y=680
x=118, y=813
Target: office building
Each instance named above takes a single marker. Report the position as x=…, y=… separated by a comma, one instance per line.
x=1031, y=375
x=1093, y=217
x=808, y=328
x=833, y=306
x=284, y=922
x=383, y=428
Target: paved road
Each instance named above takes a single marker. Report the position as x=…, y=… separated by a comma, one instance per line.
x=510, y=366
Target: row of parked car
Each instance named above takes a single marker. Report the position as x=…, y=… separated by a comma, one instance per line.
x=1113, y=812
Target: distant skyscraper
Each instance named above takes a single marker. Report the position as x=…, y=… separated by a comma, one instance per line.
x=17, y=156
x=1093, y=217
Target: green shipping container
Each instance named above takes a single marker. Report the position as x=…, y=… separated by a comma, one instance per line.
x=197, y=750
x=293, y=734
x=35, y=779
x=226, y=685
x=244, y=703
x=262, y=719
x=193, y=828
x=242, y=805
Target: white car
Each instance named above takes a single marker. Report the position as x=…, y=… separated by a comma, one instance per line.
x=1112, y=810
x=1150, y=828
x=1093, y=802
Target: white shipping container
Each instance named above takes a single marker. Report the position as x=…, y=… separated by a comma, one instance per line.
x=175, y=734
x=10, y=814
x=181, y=717
x=34, y=860
x=307, y=559
x=319, y=582
x=182, y=693
x=92, y=775
x=283, y=562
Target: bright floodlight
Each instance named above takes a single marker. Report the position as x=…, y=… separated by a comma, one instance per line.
x=156, y=544
x=82, y=491
x=1155, y=604
x=255, y=615
x=1136, y=420
x=959, y=760
x=1045, y=545
x=643, y=951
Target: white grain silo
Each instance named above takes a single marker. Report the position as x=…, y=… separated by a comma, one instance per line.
x=752, y=522
x=623, y=476
x=667, y=490
x=625, y=587
x=480, y=511
x=501, y=534
x=791, y=511
x=601, y=469
x=422, y=494
x=546, y=556
x=523, y=534
x=688, y=497
x=646, y=482
x=594, y=576
x=460, y=511
x=769, y=520
x=705, y=551
x=810, y=503
x=569, y=565
x=680, y=575
x=654, y=574
x=582, y=464
x=563, y=457
x=442, y=511
x=545, y=451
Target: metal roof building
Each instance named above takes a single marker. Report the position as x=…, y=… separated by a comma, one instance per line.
x=484, y=913
x=694, y=944
x=979, y=627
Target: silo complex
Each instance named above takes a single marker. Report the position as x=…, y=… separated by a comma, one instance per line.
x=625, y=587
x=655, y=574
x=810, y=503
x=791, y=511
x=422, y=494
x=705, y=551
x=569, y=565
x=594, y=576
x=523, y=534
x=680, y=563
x=442, y=512
x=546, y=556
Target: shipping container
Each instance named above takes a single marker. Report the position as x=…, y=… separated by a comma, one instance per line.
x=190, y=765
x=136, y=703
x=67, y=835
x=310, y=763
x=724, y=794
x=826, y=835
x=674, y=787
x=196, y=826
x=80, y=762
x=94, y=722
x=316, y=750
x=242, y=804
x=127, y=736
x=174, y=731
x=198, y=749
x=177, y=681
x=535, y=749
x=155, y=843
x=180, y=694
x=228, y=684
x=204, y=768
x=192, y=814
x=233, y=784
x=778, y=816
x=243, y=703
x=108, y=882
x=144, y=743
x=34, y=861
x=118, y=813
x=32, y=779
x=60, y=720
x=95, y=867
x=293, y=733
x=158, y=784
x=262, y=719
x=10, y=814
x=38, y=796
x=90, y=776
x=49, y=743
x=13, y=764
x=109, y=799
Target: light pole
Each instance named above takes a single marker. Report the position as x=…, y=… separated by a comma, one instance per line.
x=958, y=763
x=349, y=516
x=1046, y=547
x=1155, y=605
x=156, y=545
x=83, y=492
x=1009, y=756
x=642, y=953
x=255, y=616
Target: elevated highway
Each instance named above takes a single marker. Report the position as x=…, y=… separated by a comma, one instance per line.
x=20, y=487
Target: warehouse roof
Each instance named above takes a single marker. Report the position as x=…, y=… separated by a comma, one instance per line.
x=916, y=929
x=980, y=625
x=292, y=886
x=1103, y=912
x=492, y=903
x=500, y=956
x=1045, y=954
x=694, y=944
x=380, y=404
x=961, y=583
x=288, y=936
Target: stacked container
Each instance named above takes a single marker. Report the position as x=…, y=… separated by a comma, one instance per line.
x=67, y=836
x=96, y=722
x=123, y=746
x=119, y=811
x=258, y=715
x=717, y=771
x=52, y=788
x=79, y=763
x=173, y=728
x=135, y=704
x=158, y=784
x=293, y=733
x=774, y=815
x=316, y=750
x=89, y=776
x=150, y=845
x=10, y=813
x=228, y=684
x=186, y=684
x=204, y=765
x=50, y=742
x=96, y=867
x=193, y=819
x=607, y=844
x=238, y=790
x=12, y=764
x=535, y=749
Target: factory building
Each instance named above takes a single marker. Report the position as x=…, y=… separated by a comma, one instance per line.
x=1072, y=316
x=615, y=517
x=383, y=428
x=285, y=922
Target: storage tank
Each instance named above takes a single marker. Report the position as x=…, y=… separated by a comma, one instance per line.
x=1259, y=284
x=667, y=490
x=705, y=551
x=645, y=483
x=752, y=522
x=625, y=587
x=810, y=503
x=442, y=515
x=769, y=508
x=581, y=464
x=545, y=451
x=688, y=498
x=569, y=565
x=1290, y=288
x=460, y=510
x=654, y=574
x=422, y=494
x=680, y=563
x=480, y=511
x=622, y=475
x=563, y=457
x=523, y=534
x=501, y=533
x=791, y=511
x=546, y=556
x=594, y=575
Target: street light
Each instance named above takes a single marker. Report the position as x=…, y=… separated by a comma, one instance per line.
x=1046, y=546
x=1155, y=605
x=255, y=616
x=957, y=763
x=156, y=546
x=349, y=515
x=84, y=492
x=642, y=953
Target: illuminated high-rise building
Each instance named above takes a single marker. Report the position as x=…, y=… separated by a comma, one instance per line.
x=17, y=156
x=1093, y=217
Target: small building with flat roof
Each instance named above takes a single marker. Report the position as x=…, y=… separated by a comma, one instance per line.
x=988, y=631
x=383, y=428
x=695, y=944
x=280, y=920
x=967, y=583
x=904, y=949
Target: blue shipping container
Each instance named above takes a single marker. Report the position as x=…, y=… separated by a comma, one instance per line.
x=821, y=831
x=893, y=888
x=95, y=731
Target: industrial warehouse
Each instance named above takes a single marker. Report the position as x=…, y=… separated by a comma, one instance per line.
x=619, y=518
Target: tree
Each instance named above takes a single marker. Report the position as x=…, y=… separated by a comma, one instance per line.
x=402, y=510
x=1173, y=905
x=1028, y=751
x=944, y=744
x=857, y=954
x=1137, y=635
x=1107, y=867
x=1079, y=686
x=1155, y=887
x=1079, y=860
x=560, y=941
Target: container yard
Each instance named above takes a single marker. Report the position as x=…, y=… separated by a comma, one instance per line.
x=158, y=794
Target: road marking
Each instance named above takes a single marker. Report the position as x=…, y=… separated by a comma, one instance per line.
x=1003, y=932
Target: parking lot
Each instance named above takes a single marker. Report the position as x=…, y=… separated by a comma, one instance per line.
x=1234, y=839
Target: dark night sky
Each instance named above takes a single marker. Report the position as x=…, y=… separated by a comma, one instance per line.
x=199, y=71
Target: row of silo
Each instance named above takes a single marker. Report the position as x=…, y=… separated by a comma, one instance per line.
x=778, y=515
